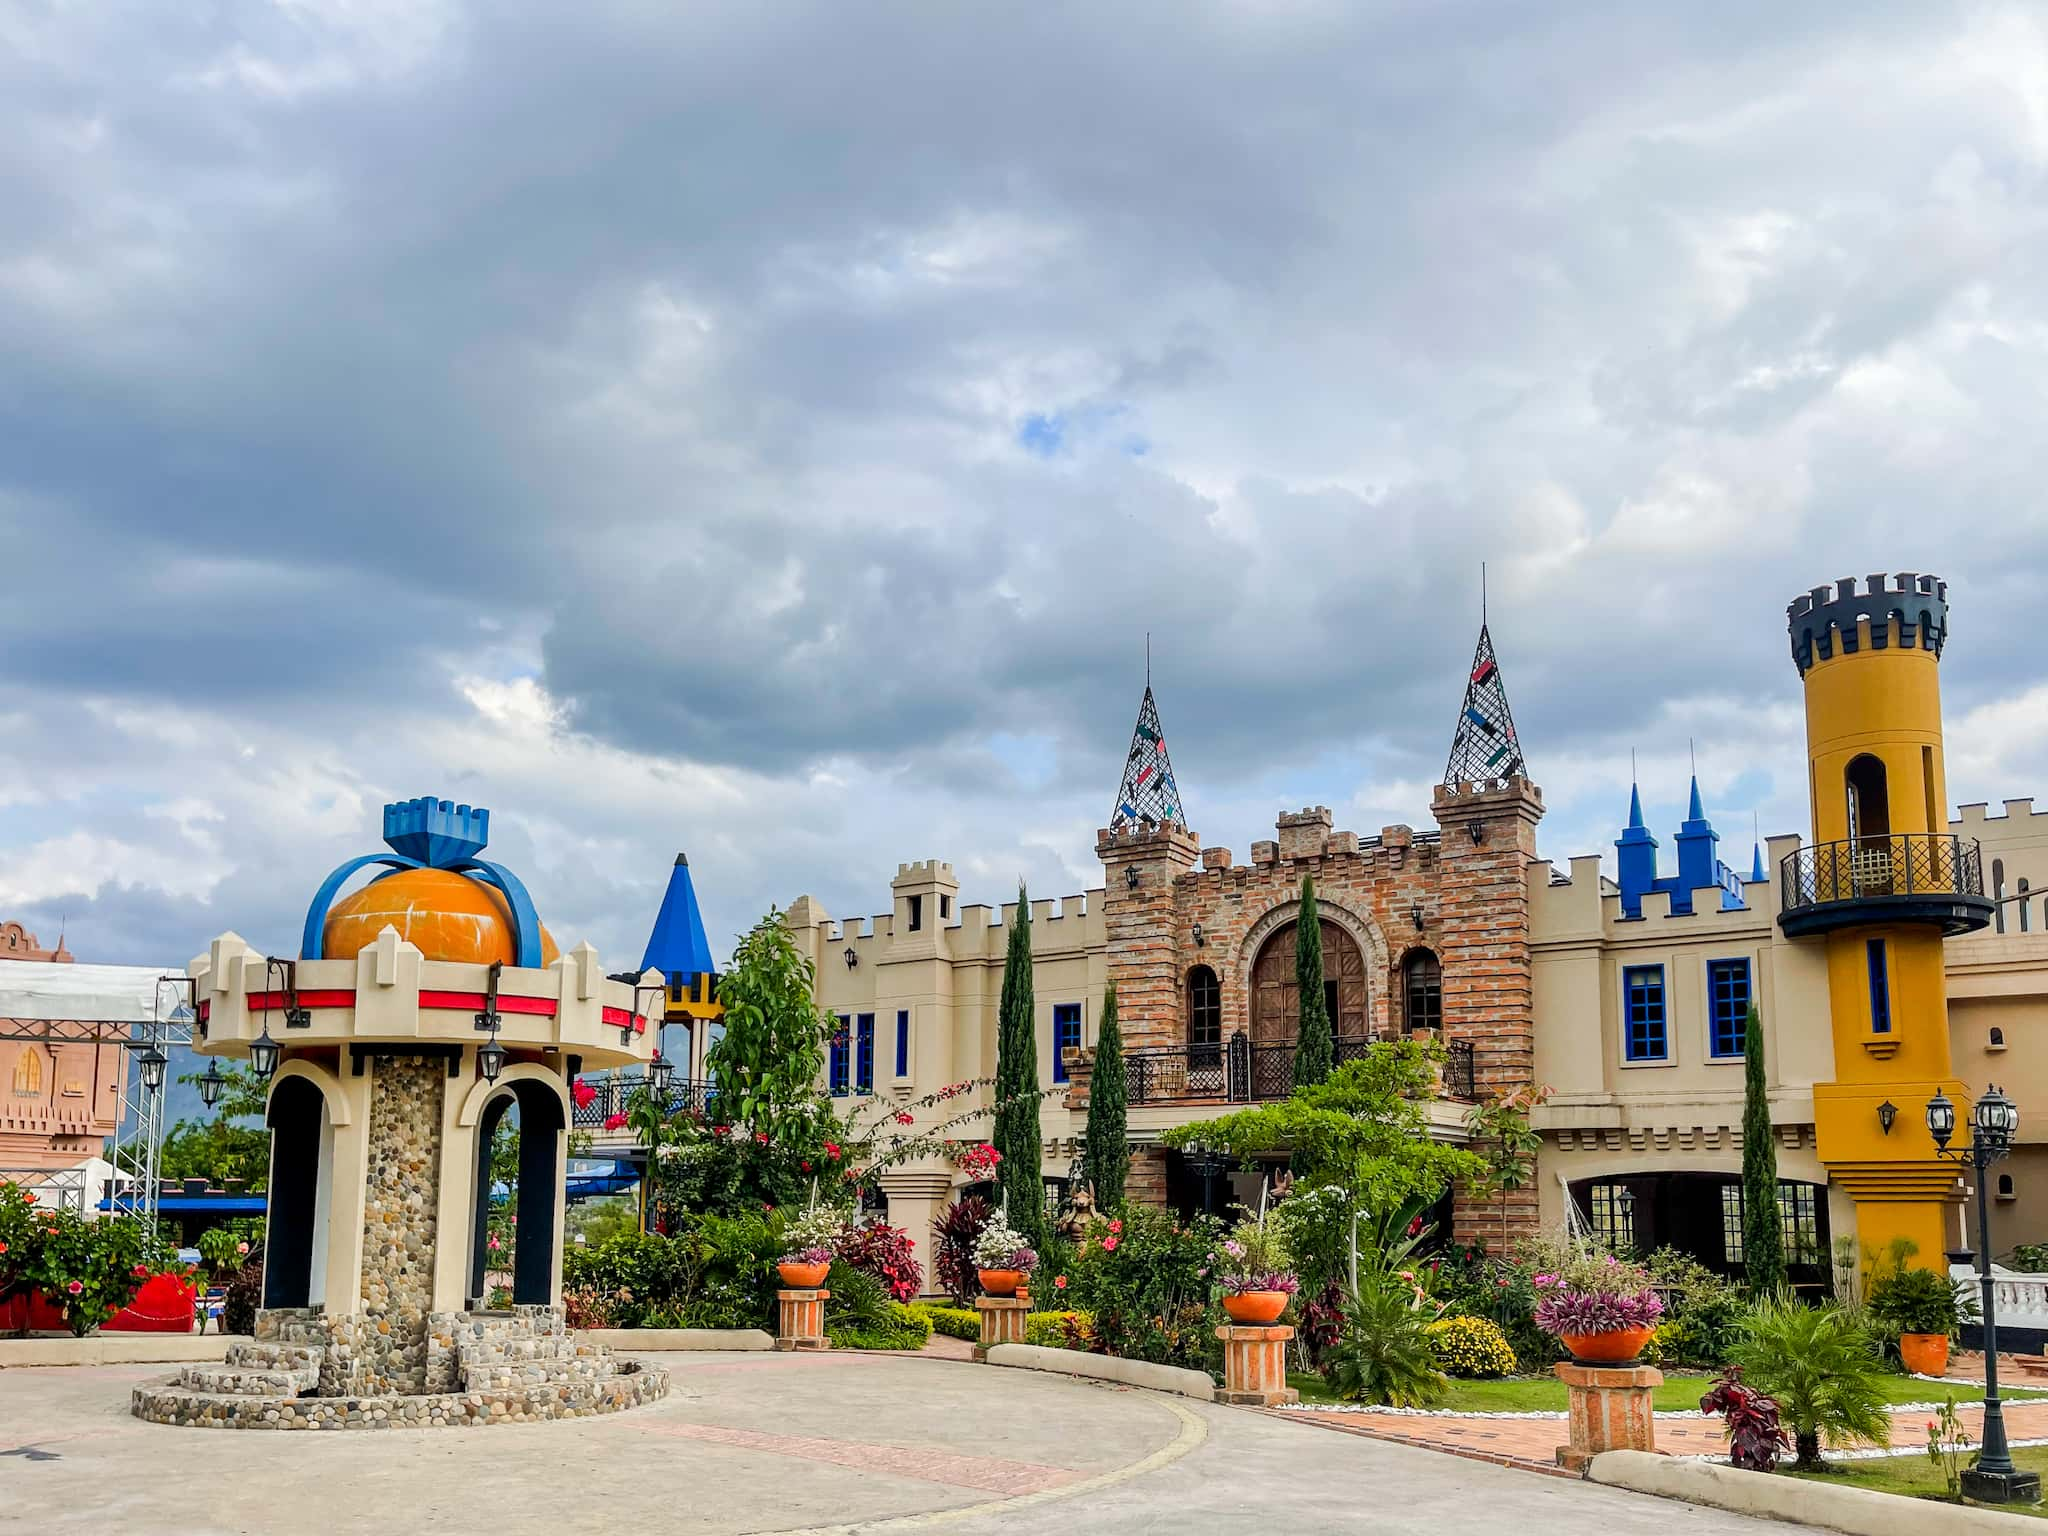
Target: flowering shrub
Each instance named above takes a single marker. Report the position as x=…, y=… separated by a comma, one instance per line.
x=885, y=1252
x=1581, y=1290
x=977, y=1159
x=1470, y=1346
x=1254, y=1258
x=817, y=1229
x=999, y=1247
x=1145, y=1280
x=90, y=1269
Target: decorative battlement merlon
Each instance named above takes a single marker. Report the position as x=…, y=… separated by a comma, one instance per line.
x=438, y=833
x=1145, y=834
x=1911, y=606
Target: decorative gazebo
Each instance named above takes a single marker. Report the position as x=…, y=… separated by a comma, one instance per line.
x=422, y=1007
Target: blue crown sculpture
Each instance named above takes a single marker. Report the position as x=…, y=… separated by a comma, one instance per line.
x=433, y=834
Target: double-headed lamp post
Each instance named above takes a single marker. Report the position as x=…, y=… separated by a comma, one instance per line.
x=1994, y=1120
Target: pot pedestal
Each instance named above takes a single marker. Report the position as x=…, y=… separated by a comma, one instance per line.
x=1002, y=1320
x=800, y=1320
x=1610, y=1410
x=1255, y=1365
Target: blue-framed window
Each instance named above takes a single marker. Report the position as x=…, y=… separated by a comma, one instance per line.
x=840, y=1062
x=1066, y=1031
x=1644, y=1036
x=864, y=1054
x=903, y=1042
x=1880, y=988
x=1727, y=1006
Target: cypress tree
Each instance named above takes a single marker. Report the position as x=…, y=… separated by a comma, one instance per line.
x=1763, y=1228
x=1314, y=1057
x=1016, y=1128
x=1109, y=1150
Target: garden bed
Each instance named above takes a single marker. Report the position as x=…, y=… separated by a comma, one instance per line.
x=1913, y=1475
x=1679, y=1394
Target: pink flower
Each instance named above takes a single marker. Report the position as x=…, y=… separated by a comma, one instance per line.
x=1059, y=1282
x=1415, y=1227
x=1116, y=1225
x=1109, y=1243
x=1503, y=1284
x=761, y=1137
x=494, y=1245
x=138, y=1270
x=832, y=1150
x=614, y=1122
x=241, y=1247
x=904, y=1117
x=75, y=1287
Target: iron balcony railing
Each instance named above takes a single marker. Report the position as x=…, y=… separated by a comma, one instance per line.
x=1865, y=868
x=1241, y=1071
x=611, y=1095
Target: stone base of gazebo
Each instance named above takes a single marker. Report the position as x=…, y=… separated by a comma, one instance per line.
x=303, y=1371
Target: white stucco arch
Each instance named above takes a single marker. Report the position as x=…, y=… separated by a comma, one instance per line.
x=481, y=1092
x=329, y=1085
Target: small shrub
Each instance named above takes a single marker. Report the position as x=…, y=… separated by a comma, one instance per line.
x=2030, y=1258
x=953, y=1322
x=1470, y=1347
x=1913, y=1301
x=1702, y=1311
x=1060, y=1330
x=1144, y=1278
x=586, y=1308
x=1756, y=1438
x=859, y=1314
x=1382, y=1354
x=241, y=1297
x=1823, y=1369
x=954, y=1235
x=884, y=1252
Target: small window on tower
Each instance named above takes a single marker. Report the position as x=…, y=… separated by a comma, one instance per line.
x=945, y=907
x=2005, y=1186
x=916, y=913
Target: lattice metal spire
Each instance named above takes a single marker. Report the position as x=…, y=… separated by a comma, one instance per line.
x=1148, y=792
x=1486, y=746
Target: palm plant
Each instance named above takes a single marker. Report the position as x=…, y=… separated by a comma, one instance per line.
x=1823, y=1369
x=1382, y=1353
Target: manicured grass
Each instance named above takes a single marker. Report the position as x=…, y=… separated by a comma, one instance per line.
x=1679, y=1394
x=1917, y=1477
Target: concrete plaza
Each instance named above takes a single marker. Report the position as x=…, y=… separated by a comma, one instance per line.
x=750, y=1443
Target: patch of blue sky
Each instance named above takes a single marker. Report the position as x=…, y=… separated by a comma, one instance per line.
x=1032, y=760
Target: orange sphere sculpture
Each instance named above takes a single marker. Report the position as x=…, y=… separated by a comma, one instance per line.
x=445, y=915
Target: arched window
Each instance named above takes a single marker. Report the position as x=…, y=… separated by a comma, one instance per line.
x=1205, y=1013
x=2005, y=1186
x=1870, y=811
x=28, y=1073
x=1422, y=990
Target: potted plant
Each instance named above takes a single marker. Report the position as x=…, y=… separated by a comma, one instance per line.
x=1004, y=1261
x=1252, y=1268
x=1601, y=1308
x=808, y=1251
x=1919, y=1308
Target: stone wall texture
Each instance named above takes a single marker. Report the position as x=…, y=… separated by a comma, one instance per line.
x=400, y=1202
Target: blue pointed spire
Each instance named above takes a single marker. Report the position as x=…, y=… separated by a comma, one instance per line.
x=1756, y=864
x=1635, y=806
x=1694, y=812
x=1635, y=857
x=678, y=948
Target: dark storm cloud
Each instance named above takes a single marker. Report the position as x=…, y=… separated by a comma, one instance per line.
x=801, y=404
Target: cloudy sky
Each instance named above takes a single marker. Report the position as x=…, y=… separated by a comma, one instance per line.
x=771, y=430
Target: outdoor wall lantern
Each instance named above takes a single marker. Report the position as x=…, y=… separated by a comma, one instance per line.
x=263, y=1055
x=1131, y=876
x=852, y=957
x=490, y=1059
x=1887, y=1112
x=659, y=1070
x=1478, y=830
x=1415, y=916
x=1200, y=937
x=211, y=1084
x=150, y=1064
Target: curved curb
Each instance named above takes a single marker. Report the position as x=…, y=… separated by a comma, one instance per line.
x=1858, y=1511
x=1130, y=1373
x=1192, y=1433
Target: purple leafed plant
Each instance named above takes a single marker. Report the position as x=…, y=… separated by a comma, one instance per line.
x=1561, y=1311
x=1755, y=1437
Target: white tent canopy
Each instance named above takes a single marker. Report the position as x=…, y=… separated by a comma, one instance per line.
x=100, y=994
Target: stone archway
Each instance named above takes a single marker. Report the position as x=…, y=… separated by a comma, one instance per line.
x=1363, y=935
x=1276, y=999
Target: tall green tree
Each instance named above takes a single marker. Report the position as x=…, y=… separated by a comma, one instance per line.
x=1763, y=1228
x=1314, y=1055
x=1016, y=1128
x=768, y=1061
x=1109, y=1148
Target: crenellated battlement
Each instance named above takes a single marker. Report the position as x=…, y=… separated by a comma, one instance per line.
x=1909, y=610
x=924, y=872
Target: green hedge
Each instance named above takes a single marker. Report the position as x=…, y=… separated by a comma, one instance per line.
x=1060, y=1330
x=953, y=1322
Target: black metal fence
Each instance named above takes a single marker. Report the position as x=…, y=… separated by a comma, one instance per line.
x=1903, y=864
x=1242, y=1071
x=611, y=1094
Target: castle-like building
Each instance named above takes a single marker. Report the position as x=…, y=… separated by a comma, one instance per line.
x=1624, y=998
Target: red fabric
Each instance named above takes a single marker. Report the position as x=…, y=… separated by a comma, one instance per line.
x=164, y=1304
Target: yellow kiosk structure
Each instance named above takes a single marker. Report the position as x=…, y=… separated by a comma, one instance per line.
x=1883, y=883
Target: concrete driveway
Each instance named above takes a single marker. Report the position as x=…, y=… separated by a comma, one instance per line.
x=759, y=1443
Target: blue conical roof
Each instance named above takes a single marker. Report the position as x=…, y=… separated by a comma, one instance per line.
x=1635, y=806
x=1694, y=811
x=678, y=948
x=1756, y=863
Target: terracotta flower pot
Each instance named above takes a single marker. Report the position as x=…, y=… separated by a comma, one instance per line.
x=1001, y=1282
x=802, y=1277
x=1924, y=1354
x=1255, y=1306
x=1616, y=1348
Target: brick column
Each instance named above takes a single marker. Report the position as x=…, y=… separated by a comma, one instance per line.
x=1002, y=1320
x=800, y=1320
x=1142, y=928
x=1484, y=902
x=1255, y=1365
x=1610, y=1410
x=1145, y=1184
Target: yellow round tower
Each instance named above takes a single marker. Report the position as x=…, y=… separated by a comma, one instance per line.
x=1881, y=885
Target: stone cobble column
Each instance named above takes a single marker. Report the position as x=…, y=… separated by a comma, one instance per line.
x=1610, y=1410
x=1255, y=1365
x=1002, y=1320
x=800, y=1320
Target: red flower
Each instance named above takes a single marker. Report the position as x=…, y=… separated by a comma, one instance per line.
x=805, y=1165
x=75, y=1287
x=1109, y=1243
x=3, y=1247
x=904, y=1117
x=1059, y=1282
x=1116, y=1225
x=139, y=1270
x=582, y=1093
x=761, y=1137
x=832, y=1150
x=1415, y=1227
x=29, y=1195
x=1503, y=1284
x=614, y=1122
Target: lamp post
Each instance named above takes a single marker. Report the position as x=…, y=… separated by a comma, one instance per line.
x=1993, y=1122
x=211, y=1084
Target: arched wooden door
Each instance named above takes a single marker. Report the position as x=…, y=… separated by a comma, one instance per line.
x=1276, y=1001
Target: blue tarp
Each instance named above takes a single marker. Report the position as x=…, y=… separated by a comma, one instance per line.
x=185, y=1205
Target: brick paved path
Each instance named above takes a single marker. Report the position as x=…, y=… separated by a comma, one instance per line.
x=1536, y=1440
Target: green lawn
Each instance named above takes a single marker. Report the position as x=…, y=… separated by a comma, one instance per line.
x=1530, y=1394
x=1918, y=1477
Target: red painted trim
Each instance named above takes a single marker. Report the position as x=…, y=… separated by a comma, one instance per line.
x=473, y=1002
x=615, y=1018
x=333, y=998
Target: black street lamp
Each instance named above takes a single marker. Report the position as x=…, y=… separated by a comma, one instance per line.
x=150, y=1064
x=211, y=1085
x=659, y=1070
x=1993, y=1122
